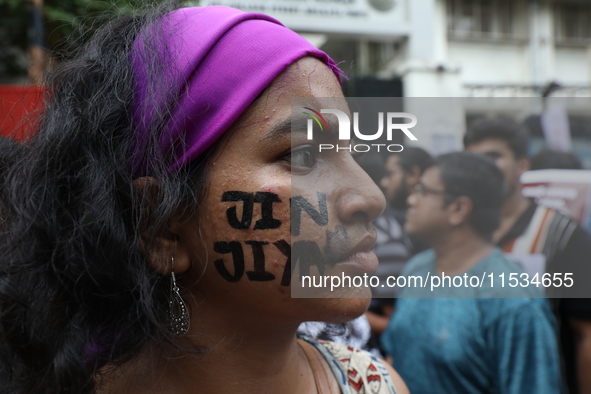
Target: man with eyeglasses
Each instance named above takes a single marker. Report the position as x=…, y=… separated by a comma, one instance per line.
x=467, y=337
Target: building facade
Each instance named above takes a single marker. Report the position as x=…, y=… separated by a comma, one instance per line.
x=481, y=49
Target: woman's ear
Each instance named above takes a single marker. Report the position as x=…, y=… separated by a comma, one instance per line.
x=159, y=246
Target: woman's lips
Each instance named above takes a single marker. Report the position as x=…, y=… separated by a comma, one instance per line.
x=365, y=261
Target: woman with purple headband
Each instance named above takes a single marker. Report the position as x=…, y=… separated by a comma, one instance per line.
x=149, y=240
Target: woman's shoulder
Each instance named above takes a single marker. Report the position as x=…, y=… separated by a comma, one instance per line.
x=358, y=371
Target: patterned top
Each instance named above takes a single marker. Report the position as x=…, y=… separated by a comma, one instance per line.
x=356, y=371
x=355, y=333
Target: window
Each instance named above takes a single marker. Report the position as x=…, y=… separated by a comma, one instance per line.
x=573, y=22
x=486, y=19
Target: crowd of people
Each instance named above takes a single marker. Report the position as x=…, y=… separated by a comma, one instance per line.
x=471, y=213
x=152, y=226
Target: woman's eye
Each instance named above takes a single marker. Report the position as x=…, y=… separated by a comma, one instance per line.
x=302, y=158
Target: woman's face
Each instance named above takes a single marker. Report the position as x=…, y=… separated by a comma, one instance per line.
x=243, y=236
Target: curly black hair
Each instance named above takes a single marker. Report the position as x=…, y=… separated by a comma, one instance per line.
x=76, y=292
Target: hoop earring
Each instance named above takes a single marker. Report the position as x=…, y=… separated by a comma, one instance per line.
x=178, y=314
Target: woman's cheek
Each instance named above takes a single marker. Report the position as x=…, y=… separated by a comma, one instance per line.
x=248, y=234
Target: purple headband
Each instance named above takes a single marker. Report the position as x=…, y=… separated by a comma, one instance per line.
x=222, y=59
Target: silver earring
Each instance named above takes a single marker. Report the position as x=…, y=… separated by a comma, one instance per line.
x=178, y=314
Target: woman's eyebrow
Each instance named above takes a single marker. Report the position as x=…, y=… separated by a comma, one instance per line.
x=299, y=125
x=286, y=126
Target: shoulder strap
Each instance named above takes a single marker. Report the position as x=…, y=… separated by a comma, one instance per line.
x=319, y=368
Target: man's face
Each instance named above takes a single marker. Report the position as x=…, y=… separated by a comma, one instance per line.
x=394, y=183
x=427, y=215
x=501, y=153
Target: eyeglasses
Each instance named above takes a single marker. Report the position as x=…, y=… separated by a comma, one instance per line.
x=421, y=189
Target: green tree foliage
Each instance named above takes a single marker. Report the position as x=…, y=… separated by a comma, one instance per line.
x=67, y=24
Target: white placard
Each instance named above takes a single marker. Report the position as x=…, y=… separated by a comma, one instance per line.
x=556, y=128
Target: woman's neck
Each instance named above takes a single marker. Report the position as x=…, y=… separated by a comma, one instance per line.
x=249, y=356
